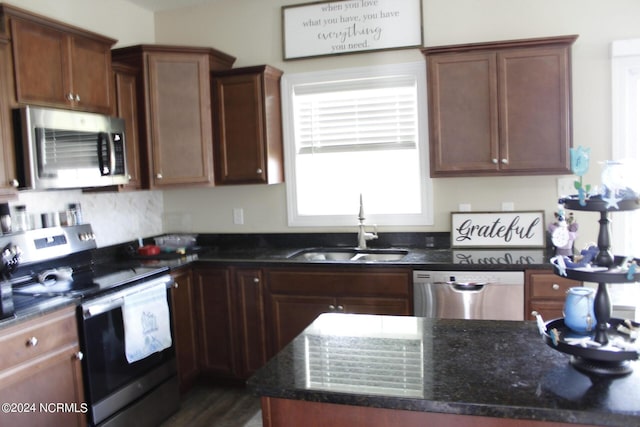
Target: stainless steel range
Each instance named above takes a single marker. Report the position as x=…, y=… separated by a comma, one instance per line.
x=129, y=379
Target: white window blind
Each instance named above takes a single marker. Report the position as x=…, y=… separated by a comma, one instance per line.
x=345, y=117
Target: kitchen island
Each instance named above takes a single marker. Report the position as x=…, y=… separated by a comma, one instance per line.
x=365, y=370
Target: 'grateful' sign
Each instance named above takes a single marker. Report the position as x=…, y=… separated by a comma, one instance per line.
x=497, y=229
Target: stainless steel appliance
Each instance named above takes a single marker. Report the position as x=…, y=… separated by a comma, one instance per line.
x=491, y=295
x=57, y=262
x=69, y=149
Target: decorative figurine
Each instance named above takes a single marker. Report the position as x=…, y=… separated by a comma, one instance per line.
x=563, y=232
x=580, y=166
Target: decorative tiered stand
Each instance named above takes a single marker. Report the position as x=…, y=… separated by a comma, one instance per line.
x=602, y=359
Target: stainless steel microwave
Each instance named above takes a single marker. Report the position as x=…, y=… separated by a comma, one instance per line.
x=59, y=149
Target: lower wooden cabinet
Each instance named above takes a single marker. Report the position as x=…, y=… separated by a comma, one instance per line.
x=296, y=296
x=40, y=367
x=545, y=293
x=229, y=307
x=185, y=327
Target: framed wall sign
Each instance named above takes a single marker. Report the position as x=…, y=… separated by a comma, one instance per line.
x=348, y=26
x=510, y=229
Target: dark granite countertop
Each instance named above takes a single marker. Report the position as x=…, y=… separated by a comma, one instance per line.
x=43, y=306
x=467, y=367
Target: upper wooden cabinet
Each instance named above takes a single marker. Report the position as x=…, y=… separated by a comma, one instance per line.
x=8, y=178
x=58, y=65
x=126, y=107
x=174, y=109
x=248, y=137
x=500, y=108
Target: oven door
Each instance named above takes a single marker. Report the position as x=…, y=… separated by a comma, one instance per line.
x=112, y=383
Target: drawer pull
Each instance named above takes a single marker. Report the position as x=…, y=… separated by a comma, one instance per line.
x=32, y=342
x=332, y=307
x=555, y=287
x=340, y=308
x=256, y=280
x=175, y=285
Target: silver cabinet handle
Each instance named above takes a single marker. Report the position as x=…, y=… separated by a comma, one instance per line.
x=494, y=161
x=175, y=285
x=332, y=307
x=159, y=176
x=14, y=183
x=32, y=342
x=78, y=355
x=340, y=308
x=69, y=96
x=259, y=171
x=555, y=286
x=256, y=280
x=505, y=161
x=76, y=97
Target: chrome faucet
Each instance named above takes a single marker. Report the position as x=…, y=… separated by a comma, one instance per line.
x=364, y=235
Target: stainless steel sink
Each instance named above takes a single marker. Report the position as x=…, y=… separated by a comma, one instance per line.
x=350, y=254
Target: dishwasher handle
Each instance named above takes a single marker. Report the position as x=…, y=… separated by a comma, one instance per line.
x=466, y=286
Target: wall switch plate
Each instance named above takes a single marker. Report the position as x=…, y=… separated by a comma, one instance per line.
x=238, y=216
x=566, y=186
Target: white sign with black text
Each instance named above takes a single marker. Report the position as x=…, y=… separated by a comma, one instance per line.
x=337, y=27
x=498, y=229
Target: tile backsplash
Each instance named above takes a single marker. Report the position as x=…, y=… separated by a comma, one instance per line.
x=115, y=217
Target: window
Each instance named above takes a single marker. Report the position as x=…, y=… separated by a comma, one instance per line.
x=626, y=145
x=357, y=132
x=626, y=134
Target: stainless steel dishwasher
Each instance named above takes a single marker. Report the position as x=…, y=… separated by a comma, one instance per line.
x=490, y=295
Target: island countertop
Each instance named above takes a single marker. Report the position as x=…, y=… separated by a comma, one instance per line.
x=482, y=368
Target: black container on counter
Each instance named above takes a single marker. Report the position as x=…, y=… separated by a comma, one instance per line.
x=5, y=218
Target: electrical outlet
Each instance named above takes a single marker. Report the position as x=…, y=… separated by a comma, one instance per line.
x=566, y=186
x=238, y=216
x=508, y=206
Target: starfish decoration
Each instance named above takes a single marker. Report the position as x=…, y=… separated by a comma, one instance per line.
x=612, y=201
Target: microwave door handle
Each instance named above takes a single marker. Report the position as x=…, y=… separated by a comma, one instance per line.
x=102, y=139
x=112, y=154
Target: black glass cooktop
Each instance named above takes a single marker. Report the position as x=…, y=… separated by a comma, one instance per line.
x=90, y=281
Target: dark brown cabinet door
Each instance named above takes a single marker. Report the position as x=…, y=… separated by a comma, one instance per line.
x=185, y=329
x=389, y=306
x=291, y=314
x=248, y=126
x=251, y=337
x=180, y=110
x=500, y=108
x=57, y=68
x=535, y=131
x=127, y=109
x=296, y=296
x=214, y=302
x=464, y=112
x=8, y=180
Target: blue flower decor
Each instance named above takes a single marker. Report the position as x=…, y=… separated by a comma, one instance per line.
x=580, y=166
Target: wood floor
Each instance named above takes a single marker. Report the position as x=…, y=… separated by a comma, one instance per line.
x=215, y=406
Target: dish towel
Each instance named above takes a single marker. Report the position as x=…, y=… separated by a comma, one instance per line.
x=146, y=322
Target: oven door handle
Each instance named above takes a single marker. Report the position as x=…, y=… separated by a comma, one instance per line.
x=97, y=309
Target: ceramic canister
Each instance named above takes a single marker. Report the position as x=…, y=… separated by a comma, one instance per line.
x=578, y=310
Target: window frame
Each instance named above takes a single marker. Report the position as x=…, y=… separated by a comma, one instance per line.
x=416, y=69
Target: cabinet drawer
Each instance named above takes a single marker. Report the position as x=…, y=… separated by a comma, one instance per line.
x=549, y=285
x=25, y=341
x=336, y=282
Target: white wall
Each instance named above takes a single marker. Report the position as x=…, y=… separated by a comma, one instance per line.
x=251, y=31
